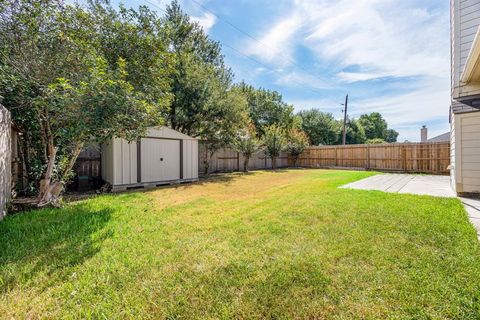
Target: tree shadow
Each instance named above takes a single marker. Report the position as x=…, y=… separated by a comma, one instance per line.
x=51, y=242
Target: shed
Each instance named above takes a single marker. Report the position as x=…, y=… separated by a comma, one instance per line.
x=161, y=157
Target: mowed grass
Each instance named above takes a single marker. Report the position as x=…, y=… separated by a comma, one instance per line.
x=280, y=245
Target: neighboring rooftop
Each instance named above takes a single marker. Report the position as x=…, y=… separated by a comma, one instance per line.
x=441, y=138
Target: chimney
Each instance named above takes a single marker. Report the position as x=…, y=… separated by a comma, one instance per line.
x=424, y=134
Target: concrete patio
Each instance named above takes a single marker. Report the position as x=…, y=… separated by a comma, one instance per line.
x=437, y=186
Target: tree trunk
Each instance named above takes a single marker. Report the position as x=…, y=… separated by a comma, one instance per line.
x=47, y=190
x=245, y=163
x=295, y=160
x=274, y=163
x=206, y=167
x=50, y=191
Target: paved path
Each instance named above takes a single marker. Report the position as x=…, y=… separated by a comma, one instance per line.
x=437, y=186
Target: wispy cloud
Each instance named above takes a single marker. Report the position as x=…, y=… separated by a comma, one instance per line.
x=276, y=45
x=206, y=21
x=358, y=41
x=301, y=79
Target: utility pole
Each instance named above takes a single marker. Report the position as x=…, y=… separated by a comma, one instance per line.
x=345, y=121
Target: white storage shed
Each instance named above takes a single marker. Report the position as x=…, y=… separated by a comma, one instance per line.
x=161, y=157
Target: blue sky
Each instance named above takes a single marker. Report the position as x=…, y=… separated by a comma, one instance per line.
x=390, y=56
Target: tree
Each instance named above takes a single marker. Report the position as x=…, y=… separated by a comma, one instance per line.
x=220, y=133
x=200, y=75
x=138, y=37
x=375, y=141
x=274, y=141
x=63, y=90
x=320, y=127
x=246, y=143
x=355, y=133
x=297, y=142
x=267, y=108
x=374, y=125
x=391, y=136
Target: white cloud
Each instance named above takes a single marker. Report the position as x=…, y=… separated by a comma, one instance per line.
x=372, y=39
x=207, y=21
x=296, y=79
x=394, y=38
x=276, y=45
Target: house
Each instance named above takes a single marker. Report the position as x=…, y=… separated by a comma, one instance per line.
x=465, y=106
x=161, y=157
x=444, y=137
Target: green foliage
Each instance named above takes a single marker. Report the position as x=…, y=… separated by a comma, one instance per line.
x=274, y=141
x=391, y=136
x=72, y=75
x=267, y=108
x=355, y=133
x=247, y=143
x=201, y=84
x=320, y=127
x=377, y=128
x=375, y=141
x=297, y=142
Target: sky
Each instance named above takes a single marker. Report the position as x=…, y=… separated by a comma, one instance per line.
x=390, y=56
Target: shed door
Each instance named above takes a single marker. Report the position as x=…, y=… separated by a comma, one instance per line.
x=160, y=160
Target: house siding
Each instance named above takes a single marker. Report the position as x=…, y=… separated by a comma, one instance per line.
x=465, y=20
x=466, y=152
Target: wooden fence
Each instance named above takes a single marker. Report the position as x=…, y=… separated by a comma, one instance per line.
x=432, y=158
x=227, y=160
x=87, y=169
x=5, y=160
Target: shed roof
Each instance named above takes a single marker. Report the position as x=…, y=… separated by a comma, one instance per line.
x=166, y=132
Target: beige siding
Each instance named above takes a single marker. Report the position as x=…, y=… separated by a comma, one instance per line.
x=465, y=23
x=452, y=152
x=467, y=152
x=190, y=159
x=120, y=158
x=107, y=162
x=124, y=162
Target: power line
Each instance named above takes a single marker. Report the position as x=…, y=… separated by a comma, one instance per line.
x=303, y=85
x=205, y=9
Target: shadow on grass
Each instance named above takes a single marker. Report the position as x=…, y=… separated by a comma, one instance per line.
x=50, y=242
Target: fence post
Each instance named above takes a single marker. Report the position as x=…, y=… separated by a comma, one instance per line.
x=238, y=161
x=367, y=150
x=404, y=158
x=336, y=157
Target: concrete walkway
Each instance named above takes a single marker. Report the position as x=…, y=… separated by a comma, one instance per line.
x=437, y=186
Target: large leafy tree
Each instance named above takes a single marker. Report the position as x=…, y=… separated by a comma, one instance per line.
x=205, y=103
x=376, y=127
x=200, y=74
x=267, y=108
x=355, y=133
x=391, y=135
x=138, y=37
x=62, y=89
x=320, y=127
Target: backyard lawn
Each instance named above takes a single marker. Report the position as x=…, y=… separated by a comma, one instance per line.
x=286, y=244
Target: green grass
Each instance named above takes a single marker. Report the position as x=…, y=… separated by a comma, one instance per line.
x=264, y=245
